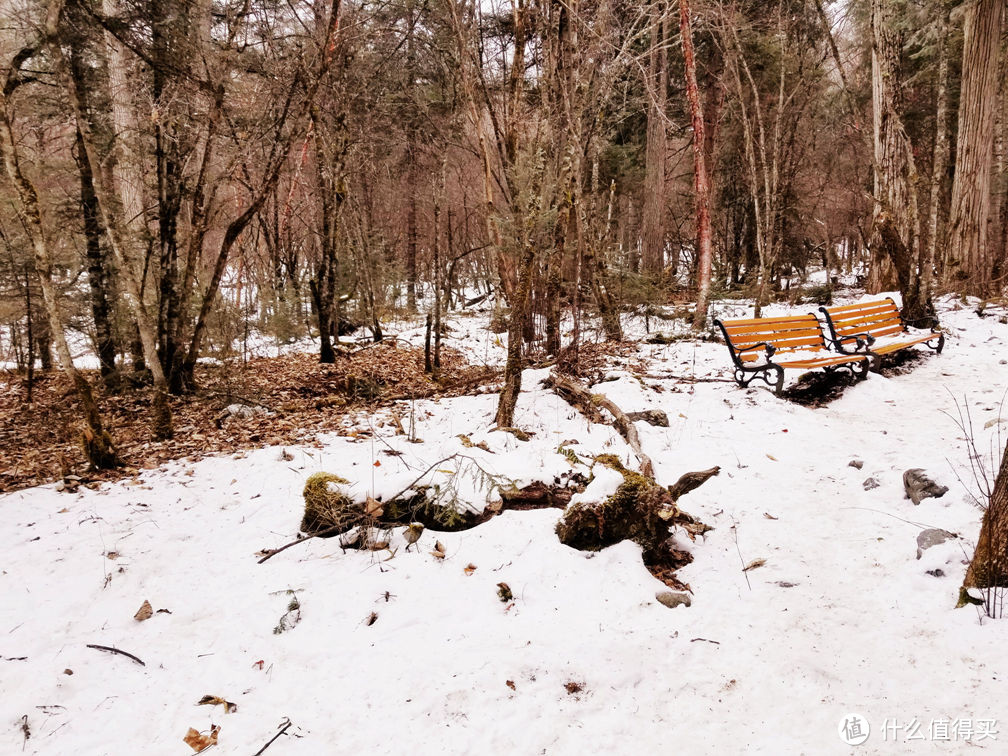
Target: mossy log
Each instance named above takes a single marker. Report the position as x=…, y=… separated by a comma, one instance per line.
x=640, y=510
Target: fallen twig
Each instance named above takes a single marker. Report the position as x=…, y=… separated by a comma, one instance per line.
x=114, y=650
x=686, y=378
x=739, y=550
x=282, y=730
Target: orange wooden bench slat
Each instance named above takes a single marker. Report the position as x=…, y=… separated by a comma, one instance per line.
x=881, y=305
x=876, y=322
x=841, y=359
x=808, y=344
x=766, y=321
x=897, y=345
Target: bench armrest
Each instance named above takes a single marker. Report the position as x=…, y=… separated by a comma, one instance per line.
x=770, y=348
x=862, y=341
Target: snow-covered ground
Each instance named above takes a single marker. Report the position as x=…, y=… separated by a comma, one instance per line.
x=412, y=653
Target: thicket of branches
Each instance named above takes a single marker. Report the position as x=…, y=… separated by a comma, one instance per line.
x=176, y=171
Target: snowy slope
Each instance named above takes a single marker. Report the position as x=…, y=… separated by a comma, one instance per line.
x=843, y=618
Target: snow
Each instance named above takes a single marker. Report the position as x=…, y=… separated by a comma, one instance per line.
x=446, y=667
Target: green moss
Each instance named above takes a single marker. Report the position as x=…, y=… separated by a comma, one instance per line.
x=611, y=461
x=327, y=504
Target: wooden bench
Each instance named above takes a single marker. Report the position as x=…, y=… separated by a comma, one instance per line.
x=875, y=327
x=757, y=346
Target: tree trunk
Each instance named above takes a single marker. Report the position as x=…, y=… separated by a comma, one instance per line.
x=516, y=326
x=169, y=48
x=940, y=162
x=989, y=567
x=653, y=221
x=701, y=182
x=895, y=169
x=127, y=229
x=971, y=186
x=99, y=267
x=332, y=193
x=98, y=444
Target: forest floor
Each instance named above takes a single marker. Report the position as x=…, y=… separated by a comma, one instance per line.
x=839, y=615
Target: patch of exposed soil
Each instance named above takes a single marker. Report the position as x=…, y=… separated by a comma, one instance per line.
x=818, y=388
x=39, y=442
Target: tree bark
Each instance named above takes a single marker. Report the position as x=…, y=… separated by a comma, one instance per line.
x=989, y=566
x=940, y=161
x=516, y=326
x=701, y=182
x=895, y=168
x=99, y=266
x=653, y=221
x=969, y=261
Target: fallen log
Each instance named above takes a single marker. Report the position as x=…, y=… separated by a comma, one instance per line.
x=583, y=399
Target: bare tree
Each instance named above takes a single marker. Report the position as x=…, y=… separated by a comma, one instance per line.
x=98, y=443
x=701, y=181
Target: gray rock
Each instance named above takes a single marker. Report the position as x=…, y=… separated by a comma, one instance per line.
x=856, y=463
x=672, y=599
x=652, y=417
x=919, y=486
x=870, y=483
x=932, y=537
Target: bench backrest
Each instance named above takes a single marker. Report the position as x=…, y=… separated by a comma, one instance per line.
x=747, y=338
x=878, y=318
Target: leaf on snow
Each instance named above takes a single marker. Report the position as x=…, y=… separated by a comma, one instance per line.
x=145, y=612
x=200, y=742
x=754, y=564
x=209, y=700
x=770, y=516
x=373, y=507
x=469, y=569
x=439, y=550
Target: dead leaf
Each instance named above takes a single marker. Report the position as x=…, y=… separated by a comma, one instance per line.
x=373, y=507
x=510, y=684
x=769, y=516
x=200, y=742
x=209, y=700
x=439, y=550
x=377, y=463
x=63, y=511
x=145, y=612
x=754, y=564
x=469, y=569
x=371, y=619
x=504, y=592
x=772, y=457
